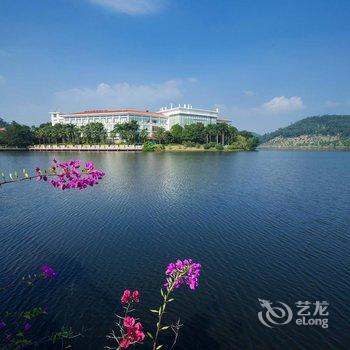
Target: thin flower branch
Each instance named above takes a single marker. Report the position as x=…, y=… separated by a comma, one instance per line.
x=68, y=175
x=180, y=272
x=176, y=329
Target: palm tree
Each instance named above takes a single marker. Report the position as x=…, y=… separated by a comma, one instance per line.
x=217, y=132
x=222, y=129
x=133, y=128
x=113, y=134
x=232, y=132
x=143, y=135
x=40, y=134
x=160, y=134
x=47, y=133
x=210, y=131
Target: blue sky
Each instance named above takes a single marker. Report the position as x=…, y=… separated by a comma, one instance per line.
x=265, y=64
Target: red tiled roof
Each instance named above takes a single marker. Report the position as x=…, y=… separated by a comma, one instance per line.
x=134, y=111
x=2, y=129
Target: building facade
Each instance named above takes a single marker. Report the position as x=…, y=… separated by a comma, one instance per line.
x=151, y=121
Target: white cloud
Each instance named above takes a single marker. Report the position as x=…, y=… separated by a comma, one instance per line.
x=120, y=95
x=284, y=104
x=131, y=7
x=248, y=92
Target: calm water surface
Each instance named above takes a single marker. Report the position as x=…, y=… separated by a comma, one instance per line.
x=270, y=225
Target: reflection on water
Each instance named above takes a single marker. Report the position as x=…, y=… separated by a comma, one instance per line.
x=269, y=225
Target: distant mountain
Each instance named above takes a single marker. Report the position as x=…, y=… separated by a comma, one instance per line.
x=326, y=131
x=258, y=136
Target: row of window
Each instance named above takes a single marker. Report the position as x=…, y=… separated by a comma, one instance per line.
x=115, y=119
x=184, y=120
x=144, y=121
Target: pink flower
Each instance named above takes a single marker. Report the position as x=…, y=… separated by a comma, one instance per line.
x=69, y=175
x=184, y=271
x=124, y=343
x=139, y=335
x=2, y=325
x=48, y=272
x=133, y=330
x=89, y=165
x=129, y=322
x=136, y=296
x=126, y=296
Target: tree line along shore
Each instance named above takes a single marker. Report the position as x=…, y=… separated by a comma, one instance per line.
x=195, y=137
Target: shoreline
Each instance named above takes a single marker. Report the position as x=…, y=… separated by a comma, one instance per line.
x=303, y=148
x=167, y=148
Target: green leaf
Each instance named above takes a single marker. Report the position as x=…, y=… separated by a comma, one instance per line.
x=164, y=328
x=159, y=347
x=155, y=311
x=170, y=300
x=150, y=335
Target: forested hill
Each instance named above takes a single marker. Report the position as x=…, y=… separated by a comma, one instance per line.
x=321, y=131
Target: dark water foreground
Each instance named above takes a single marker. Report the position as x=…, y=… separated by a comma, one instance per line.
x=269, y=225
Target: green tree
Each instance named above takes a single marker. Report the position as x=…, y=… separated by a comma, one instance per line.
x=17, y=135
x=222, y=129
x=94, y=133
x=232, y=133
x=133, y=131
x=177, y=133
x=44, y=133
x=168, y=138
x=127, y=131
x=143, y=135
x=69, y=132
x=217, y=132
x=194, y=133
x=113, y=135
x=160, y=134
x=210, y=131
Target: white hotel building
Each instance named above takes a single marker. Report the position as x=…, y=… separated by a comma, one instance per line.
x=151, y=121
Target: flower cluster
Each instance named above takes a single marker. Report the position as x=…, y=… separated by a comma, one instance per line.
x=133, y=332
x=129, y=297
x=181, y=272
x=71, y=175
x=47, y=272
x=2, y=325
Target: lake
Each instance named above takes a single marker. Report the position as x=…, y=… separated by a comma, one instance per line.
x=272, y=225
